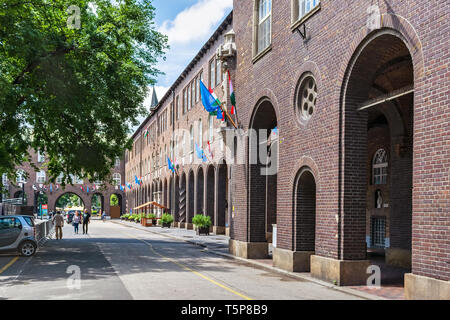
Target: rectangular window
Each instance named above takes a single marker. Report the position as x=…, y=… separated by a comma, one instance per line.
x=211, y=128
x=177, y=109
x=378, y=232
x=184, y=101
x=197, y=88
x=212, y=73
x=218, y=72
x=194, y=92
x=59, y=178
x=40, y=176
x=305, y=6
x=41, y=156
x=264, y=31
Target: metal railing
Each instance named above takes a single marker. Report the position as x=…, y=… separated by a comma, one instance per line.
x=43, y=230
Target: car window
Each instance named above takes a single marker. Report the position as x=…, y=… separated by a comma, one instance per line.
x=9, y=223
x=29, y=221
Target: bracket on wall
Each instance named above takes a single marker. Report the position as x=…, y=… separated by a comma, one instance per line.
x=303, y=34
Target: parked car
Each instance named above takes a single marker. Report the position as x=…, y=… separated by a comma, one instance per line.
x=18, y=233
x=70, y=215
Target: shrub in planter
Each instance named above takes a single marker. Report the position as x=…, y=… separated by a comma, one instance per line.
x=166, y=220
x=152, y=216
x=202, y=223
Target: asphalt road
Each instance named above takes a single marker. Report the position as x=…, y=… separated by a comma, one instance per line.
x=116, y=262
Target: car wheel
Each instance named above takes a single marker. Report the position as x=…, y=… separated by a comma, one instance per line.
x=27, y=248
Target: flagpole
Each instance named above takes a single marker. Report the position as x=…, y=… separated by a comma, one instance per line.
x=228, y=116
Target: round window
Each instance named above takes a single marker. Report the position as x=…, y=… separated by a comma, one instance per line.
x=307, y=98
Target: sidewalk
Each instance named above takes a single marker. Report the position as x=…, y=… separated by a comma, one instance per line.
x=218, y=244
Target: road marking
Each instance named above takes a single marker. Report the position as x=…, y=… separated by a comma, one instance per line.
x=9, y=264
x=192, y=270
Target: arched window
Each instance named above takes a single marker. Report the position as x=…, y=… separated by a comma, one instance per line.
x=192, y=139
x=379, y=167
x=20, y=176
x=211, y=128
x=117, y=179
x=200, y=134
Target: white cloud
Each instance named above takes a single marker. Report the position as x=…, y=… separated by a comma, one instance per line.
x=196, y=22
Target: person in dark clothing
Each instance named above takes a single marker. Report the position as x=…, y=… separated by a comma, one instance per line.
x=86, y=221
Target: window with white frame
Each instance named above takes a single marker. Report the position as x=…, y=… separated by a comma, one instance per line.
x=117, y=162
x=264, y=27
x=212, y=73
x=117, y=179
x=20, y=176
x=303, y=7
x=379, y=167
x=218, y=72
x=40, y=176
x=211, y=128
x=378, y=231
x=5, y=181
x=41, y=156
x=193, y=98
x=59, y=178
x=192, y=139
x=200, y=134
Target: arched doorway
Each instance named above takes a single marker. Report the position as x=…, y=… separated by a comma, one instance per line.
x=378, y=109
x=262, y=173
x=70, y=202
x=200, y=191
x=115, y=205
x=190, y=200
x=182, y=201
x=304, y=219
x=97, y=203
x=210, y=180
x=222, y=199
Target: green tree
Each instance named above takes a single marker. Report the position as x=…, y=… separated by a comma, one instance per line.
x=114, y=200
x=74, y=93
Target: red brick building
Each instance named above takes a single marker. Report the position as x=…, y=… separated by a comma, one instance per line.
x=37, y=183
x=348, y=102
x=359, y=93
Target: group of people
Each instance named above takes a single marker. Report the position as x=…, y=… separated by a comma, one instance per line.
x=78, y=218
x=84, y=219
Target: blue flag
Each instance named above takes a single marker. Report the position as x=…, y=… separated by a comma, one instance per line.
x=219, y=114
x=137, y=180
x=170, y=165
x=209, y=101
x=200, y=154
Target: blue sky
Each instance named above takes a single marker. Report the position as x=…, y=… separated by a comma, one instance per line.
x=188, y=24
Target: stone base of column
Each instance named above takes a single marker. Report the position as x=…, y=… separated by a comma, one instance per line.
x=227, y=231
x=249, y=250
x=426, y=288
x=175, y=224
x=293, y=261
x=189, y=226
x=398, y=257
x=218, y=230
x=340, y=272
x=181, y=225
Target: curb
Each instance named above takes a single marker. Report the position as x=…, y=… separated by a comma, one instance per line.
x=350, y=291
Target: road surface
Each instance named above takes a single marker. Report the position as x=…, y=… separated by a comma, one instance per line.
x=117, y=262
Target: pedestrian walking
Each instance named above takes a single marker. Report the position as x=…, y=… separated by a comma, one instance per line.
x=76, y=221
x=86, y=221
x=58, y=221
x=104, y=216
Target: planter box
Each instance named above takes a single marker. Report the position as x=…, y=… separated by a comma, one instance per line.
x=203, y=230
x=146, y=222
x=166, y=225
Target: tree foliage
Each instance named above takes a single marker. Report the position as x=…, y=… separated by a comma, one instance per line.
x=74, y=93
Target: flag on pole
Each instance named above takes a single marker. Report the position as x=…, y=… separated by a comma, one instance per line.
x=209, y=100
x=82, y=189
x=170, y=165
x=51, y=188
x=232, y=96
x=136, y=180
x=87, y=189
x=200, y=154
